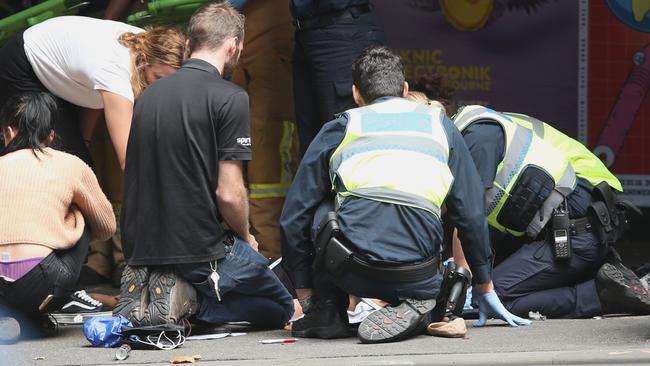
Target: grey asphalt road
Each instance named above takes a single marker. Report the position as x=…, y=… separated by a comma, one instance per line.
x=616, y=340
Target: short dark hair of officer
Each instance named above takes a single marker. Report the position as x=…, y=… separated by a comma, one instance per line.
x=212, y=24
x=378, y=72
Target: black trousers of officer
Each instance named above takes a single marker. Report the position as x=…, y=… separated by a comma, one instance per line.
x=532, y=280
x=336, y=288
x=322, y=59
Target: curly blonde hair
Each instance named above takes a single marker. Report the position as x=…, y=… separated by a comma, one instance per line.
x=158, y=45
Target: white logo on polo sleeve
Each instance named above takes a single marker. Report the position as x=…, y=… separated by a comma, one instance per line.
x=244, y=141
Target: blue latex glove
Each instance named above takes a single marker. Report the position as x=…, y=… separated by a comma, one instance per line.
x=489, y=306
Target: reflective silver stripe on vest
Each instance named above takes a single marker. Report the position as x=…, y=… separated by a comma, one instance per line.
x=468, y=117
x=567, y=183
x=538, y=126
x=396, y=197
x=512, y=161
x=365, y=144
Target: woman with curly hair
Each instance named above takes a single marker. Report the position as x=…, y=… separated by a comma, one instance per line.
x=92, y=64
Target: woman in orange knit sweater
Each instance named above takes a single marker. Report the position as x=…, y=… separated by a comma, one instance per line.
x=52, y=206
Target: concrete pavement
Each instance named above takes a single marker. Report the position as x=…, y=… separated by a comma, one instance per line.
x=615, y=340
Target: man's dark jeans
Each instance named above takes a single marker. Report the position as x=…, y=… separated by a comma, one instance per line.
x=250, y=291
x=57, y=274
x=322, y=76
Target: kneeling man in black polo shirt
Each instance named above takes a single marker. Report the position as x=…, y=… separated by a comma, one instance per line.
x=189, y=137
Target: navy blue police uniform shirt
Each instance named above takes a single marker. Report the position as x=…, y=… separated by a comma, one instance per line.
x=486, y=143
x=305, y=9
x=382, y=232
x=183, y=126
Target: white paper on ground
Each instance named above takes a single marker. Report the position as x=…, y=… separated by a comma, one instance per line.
x=213, y=336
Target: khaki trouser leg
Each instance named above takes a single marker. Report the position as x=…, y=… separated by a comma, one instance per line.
x=265, y=72
x=99, y=258
x=106, y=255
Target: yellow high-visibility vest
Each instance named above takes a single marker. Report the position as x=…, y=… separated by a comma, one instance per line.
x=523, y=149
x=394, y=151
x=584, y=162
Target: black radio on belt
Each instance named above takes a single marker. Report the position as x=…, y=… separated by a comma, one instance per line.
x=561, y=233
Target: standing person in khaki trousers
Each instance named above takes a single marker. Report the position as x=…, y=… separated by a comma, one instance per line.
x=105, y=258
x=265, y=72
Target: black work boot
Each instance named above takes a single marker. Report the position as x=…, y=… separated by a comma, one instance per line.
x=325, y=320
x=394, y=323
x=620, y=290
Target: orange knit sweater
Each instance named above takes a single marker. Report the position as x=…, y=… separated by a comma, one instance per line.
x=45, y=202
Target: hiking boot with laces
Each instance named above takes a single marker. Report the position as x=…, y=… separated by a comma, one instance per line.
x=171, y=298
x=134, y=294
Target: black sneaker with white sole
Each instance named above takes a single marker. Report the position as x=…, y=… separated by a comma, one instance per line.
x=79, y=308
x=394, y=323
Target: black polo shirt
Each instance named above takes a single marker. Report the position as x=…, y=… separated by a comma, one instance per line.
x=183, y=125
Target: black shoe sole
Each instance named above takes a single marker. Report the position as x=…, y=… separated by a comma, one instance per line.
x=161, y=284
x=628, y=295
x=134, y=281
x=394, y=323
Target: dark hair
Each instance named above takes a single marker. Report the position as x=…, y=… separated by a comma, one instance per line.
x=378, y=72
x=435, y=87
x=33, y=115
x=212, y=24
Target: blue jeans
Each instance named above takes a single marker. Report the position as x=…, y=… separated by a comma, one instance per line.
x=532, y=280
x=249, y=290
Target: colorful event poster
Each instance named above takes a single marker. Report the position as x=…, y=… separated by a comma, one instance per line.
x=582, y=66
x=520, y=57
x=618, y=115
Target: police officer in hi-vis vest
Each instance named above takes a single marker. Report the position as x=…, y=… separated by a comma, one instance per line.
x=363, y=214
x=557, y=201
